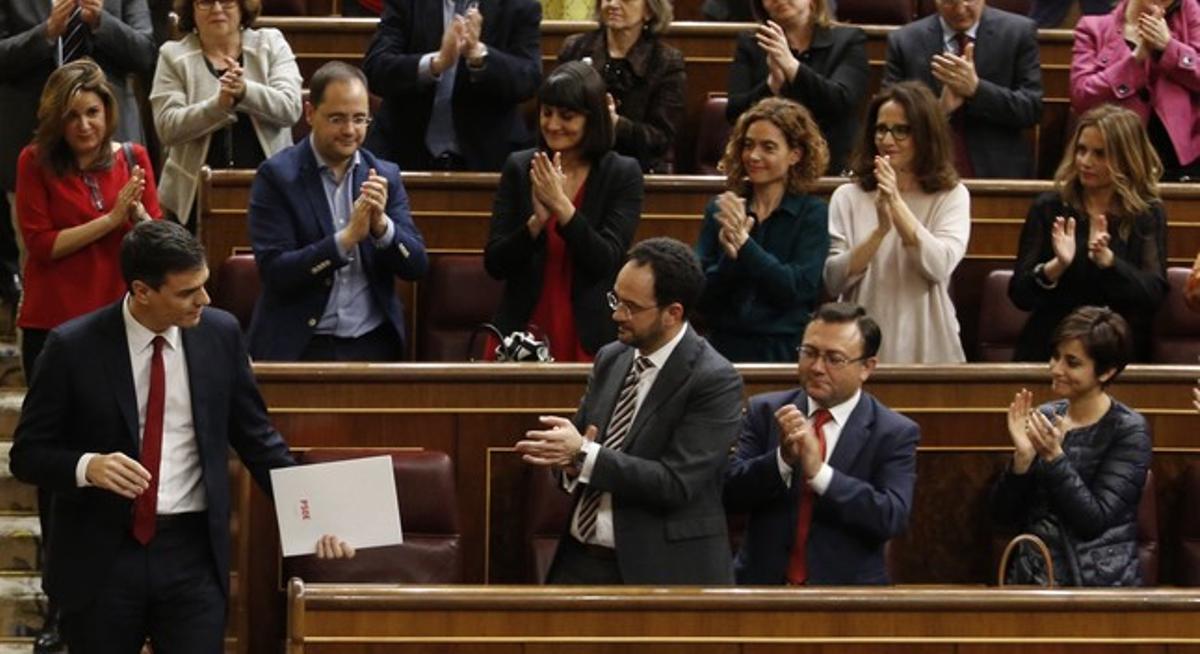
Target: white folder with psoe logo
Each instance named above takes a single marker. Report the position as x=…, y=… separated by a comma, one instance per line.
x=354, y=500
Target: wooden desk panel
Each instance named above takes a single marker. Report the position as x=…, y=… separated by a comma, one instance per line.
x=345, y=618
x=452, y=210
x=477, y=412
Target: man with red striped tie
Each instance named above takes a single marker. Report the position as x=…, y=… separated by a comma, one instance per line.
x=825, y=471
x=646, y=451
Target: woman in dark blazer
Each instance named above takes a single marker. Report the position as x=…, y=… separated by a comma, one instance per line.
x=564, y=215
x=644, y=76
x=799, y=54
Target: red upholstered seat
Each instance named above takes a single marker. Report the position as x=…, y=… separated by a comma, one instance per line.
x=1176, y=337
x=432, y=548
x=711, y=135
x=546, y=519
x=875, y=12
x=1188, y=520
x=455, y=296
x=237, y=287
x=1000, y=321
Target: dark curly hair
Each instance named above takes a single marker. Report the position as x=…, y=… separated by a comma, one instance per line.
x=800, y=130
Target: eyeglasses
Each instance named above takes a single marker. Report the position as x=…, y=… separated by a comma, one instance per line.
x=341, y=120
x=207, y=5
x=93, y=191
x=833, y=360
x=957, y=3
x=617, y=304
x=898, y=132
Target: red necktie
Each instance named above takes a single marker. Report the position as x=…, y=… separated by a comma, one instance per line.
x=145, y=507
x=797, y=572
x=958, y=121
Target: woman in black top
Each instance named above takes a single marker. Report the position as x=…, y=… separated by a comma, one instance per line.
x=798, y=53
x=1099, y=239
x=644, y=77
x=1079, y=463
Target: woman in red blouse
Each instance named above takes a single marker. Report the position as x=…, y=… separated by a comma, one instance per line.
x=564, y=215
x=77, y=195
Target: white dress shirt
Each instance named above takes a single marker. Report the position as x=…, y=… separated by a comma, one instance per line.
x=604, y=523
x=180, y=483
x=832, y=430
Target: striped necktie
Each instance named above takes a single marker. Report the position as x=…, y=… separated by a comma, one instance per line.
x=618, y=429
x=77, y=40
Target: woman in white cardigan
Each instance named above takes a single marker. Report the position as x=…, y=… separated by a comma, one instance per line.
x=224, y=95
x=897, y=232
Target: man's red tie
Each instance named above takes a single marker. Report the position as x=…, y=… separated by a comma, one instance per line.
x=145, y=507
x=958, y=121
x=797, y=572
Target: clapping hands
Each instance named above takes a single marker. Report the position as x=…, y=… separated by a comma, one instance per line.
x=735, y=224
x=781, y=63
x=1032, y=433
x=232, y=84
x=1098, y=240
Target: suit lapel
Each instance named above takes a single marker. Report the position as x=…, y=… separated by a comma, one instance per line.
x=606, y=399
x=935, y=44
x=120, y=371
x=853, y=435
x=200, y=382
x=314, y=188
x=668, y=382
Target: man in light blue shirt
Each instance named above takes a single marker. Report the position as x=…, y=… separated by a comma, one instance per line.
x=331, y=231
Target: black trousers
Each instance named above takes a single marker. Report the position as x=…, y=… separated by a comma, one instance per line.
x=379, y=344
x=577, y=564
x=167, y=591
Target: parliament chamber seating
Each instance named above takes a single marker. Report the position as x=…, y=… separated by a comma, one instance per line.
x=546, y=514
x=1147, y=531
x=1188, y=519
x=432, y=549
x=875, y=12
x=453, y=299
x=712, y=134
x=1000, y=321
x=1176, y=327
x=237, y=287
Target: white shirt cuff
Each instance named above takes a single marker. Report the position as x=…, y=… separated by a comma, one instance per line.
x=389, y=233
x=591, y=450
x=425, y=69
x=820, y=482
x=785, y=470
x=81, y=470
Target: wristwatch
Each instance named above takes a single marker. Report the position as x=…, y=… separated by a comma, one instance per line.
x=579, y=458
x=480, y=59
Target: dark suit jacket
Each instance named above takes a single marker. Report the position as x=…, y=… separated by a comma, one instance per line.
x=831, y=82
x=867, y=502
x=295, y=246
x=668, y=522
x=486, y=117
x=82, y=399
x=1009, y=97
x=597, y=238
x=649, y=101
x=123, y=45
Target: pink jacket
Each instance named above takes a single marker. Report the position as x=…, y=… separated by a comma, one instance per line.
x=1103, y=70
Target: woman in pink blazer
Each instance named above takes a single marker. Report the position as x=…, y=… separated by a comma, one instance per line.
x=1145, y=56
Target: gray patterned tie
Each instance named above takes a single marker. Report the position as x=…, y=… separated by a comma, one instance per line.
x=618, y=429
x=77, y=40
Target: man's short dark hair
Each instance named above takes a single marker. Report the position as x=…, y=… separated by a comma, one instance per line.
x=333, y=71
x=156, y=248
x=1104, y=335
x=839, y=313
x=677, y=273
x=578, y=87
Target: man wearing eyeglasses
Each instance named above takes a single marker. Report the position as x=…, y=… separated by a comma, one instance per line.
x=825, y=471
x=645, y=452
x=983, y=64
x=331, y=232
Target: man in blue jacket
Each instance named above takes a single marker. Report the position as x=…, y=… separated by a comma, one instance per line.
x=825, y=471
x=331, y=231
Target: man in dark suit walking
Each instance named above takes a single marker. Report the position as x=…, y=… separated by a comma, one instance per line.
x=645, y=453
x=983, y=64
x=452, y=75
x=825, y=471
x=331, y=232
x=129, y=420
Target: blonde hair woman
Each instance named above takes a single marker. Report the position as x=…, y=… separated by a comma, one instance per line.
x=1099, y=238
x=764, y=240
